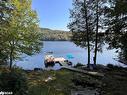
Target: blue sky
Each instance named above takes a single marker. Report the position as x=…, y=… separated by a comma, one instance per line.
x=53, y=14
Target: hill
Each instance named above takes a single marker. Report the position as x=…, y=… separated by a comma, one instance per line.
x=55, y=35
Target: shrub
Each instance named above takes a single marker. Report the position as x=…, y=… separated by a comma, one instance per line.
x=78, y=65
x=110, y=66
x=13, y=81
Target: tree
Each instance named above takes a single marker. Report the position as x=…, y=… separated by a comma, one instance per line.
x=98, y=10
x=116, y=22
x=96, y=40
x=81, y=25
x=86, y=24
x=5, y=11
x=22, y=32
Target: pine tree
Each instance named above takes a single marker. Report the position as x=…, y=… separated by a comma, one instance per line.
x=81, y=25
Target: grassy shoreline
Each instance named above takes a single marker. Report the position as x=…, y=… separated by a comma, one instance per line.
x=113, y=83
x=63, y=82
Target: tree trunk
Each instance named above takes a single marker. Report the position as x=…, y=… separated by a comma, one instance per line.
x=11, y=58
x=87, y=29
x=11, y=53
x=96, y=40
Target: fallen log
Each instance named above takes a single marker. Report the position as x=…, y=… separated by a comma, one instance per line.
x=83, y=71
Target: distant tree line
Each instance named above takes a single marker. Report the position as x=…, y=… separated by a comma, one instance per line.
x=55, y=35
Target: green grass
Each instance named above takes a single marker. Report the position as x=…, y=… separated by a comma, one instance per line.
x=113, y=83
x=60, y=85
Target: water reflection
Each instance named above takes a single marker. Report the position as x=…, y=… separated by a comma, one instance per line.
x=62, y=49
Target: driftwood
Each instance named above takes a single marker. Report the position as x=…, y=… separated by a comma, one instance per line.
x=121, y=61
x=83, y=71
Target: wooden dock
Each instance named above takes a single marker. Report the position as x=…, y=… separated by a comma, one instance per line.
x=63, y=64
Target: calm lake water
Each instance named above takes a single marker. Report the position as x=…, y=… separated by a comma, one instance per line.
x=62, y=49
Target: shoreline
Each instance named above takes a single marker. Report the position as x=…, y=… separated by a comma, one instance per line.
x=66, y=81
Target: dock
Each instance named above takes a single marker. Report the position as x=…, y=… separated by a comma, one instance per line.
x=65, y=65
x=50, y=59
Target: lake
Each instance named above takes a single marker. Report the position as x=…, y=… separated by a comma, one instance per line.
x=63, y=49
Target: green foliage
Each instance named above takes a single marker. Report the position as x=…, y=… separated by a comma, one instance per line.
x=43, y=90
x=55, y=35
x=109, y=65
x=60, y=85
x=78, y=65
x=21, y=34
x=116, y=20
x=86, y=23
x=78, y=24
x=4, y=19
x=81, y=22
x=13, y=81
x=4, y=11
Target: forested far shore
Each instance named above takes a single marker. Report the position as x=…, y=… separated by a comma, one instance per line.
x=60, y=35
x=55, y=35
